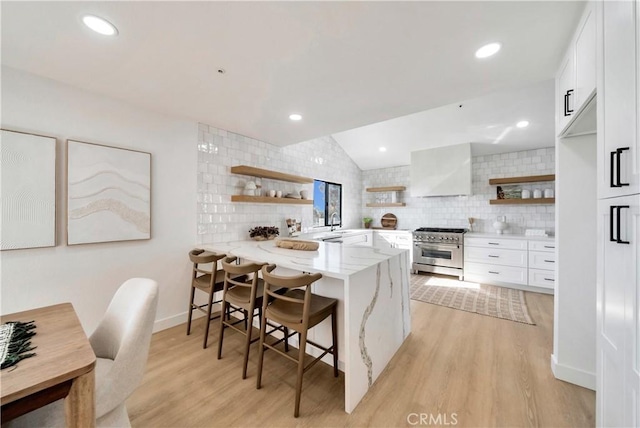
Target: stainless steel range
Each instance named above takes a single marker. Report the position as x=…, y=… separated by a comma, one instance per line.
x=438, y=250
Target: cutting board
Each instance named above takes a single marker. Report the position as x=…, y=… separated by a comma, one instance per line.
x=389, y=221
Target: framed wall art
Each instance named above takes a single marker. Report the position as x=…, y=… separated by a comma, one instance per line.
x=28, y=189
x=108, y=194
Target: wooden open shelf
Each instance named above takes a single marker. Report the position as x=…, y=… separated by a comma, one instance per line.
x=526, y=179
x=387, y=204
x=265, y=173
x=529, y=201
x=387, y=189
x=269, y=200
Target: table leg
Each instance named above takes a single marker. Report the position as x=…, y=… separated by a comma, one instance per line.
x=80, y=406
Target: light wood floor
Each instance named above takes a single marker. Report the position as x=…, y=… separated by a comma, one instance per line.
x=489, y=372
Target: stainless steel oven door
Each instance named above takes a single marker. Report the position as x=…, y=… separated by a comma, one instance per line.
x=448, y=255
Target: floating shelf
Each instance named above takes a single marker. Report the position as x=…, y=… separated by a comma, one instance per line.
x=529, y=201
x=526, y=179
x=387, y=204
x=387, y=189
x=265, y=173
x=269, y=200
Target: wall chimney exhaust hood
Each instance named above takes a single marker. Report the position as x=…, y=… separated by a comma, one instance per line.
x=442, y=171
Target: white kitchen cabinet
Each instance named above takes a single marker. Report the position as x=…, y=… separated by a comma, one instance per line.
x=618, y=267
x=364, y=238
x=496, y=256
x=542, y=264
x=510, y=261
x=394, y=239
x=618, y=154
x=576, y=79
x=618, y=323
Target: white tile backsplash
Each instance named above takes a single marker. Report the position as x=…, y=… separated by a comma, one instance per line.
x=454, y=211
x=221, y=220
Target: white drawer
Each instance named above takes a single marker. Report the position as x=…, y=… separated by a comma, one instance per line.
x=541, y=260
x=546, y=246
x=542, y=278
x=490, y=273
x=402, y=239
x=512, y=244
x=496, y=256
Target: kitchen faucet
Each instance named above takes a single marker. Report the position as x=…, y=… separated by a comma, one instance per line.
x=332, y=216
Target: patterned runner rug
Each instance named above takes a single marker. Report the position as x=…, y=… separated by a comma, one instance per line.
x=498, y=302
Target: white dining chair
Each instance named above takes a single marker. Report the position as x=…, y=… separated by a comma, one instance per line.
x=121, y=344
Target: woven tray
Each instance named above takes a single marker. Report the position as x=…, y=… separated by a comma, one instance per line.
x=297, y=244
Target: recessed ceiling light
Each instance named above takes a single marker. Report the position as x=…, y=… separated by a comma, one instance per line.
x=100, y=25
x=295, y=116
x=522, y=124
x=383, y=149
x=488, y=50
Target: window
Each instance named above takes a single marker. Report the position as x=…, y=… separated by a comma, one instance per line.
x=327, y=203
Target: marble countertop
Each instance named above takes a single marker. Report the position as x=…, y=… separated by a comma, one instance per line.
x=331, y=259
x=508, y=236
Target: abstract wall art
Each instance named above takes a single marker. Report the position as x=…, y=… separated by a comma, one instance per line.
x=108, y=194
x=28, y=189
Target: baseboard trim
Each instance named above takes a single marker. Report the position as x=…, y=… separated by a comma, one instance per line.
x=172, y=321
x=573, y=375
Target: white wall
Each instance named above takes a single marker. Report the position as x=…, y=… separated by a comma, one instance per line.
x=454, y=211
x=221, y=220
x=574, y=327
x=88, y=275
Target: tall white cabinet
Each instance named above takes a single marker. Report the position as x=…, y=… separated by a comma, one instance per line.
x=618, y=271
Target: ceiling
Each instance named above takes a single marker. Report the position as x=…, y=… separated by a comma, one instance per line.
x=488, y=122
x=342, y=65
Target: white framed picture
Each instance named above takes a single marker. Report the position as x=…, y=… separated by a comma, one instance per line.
x=28, y=189
x=108, y=194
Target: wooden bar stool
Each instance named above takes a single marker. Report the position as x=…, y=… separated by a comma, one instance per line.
x=244, y=295
x=297, y=309
x=209, y=281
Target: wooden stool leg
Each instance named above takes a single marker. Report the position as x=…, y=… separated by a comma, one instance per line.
x=286, y=339
x=263, y=329
x=301, y=353
x=334, y=333
x=193, y=290
x=225, y=306
x=208, y=320
x=248, y=342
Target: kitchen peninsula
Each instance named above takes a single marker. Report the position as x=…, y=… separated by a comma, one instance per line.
x=372, y=288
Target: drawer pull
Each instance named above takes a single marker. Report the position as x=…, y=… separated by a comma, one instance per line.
x=495, y=257
x=549, y=261
x=550, y=279
x=494, y=243
x=495, y=273
x=549, y=246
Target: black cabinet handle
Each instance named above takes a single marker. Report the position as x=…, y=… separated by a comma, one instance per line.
x=495, y=273
x=567, y=110
x=615, y=168
x=495, y=257
x=612, y=208
x=618, y=240
x=619, y=152
x=549, y=279
x=617, y=209
x=494, y=243
x=612, y=169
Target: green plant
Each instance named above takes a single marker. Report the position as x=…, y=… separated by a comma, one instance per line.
x=366, y=220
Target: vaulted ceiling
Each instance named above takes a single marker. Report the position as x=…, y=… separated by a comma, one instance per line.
x=342, y=65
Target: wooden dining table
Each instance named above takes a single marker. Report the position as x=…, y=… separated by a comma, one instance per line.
x=63, y=367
